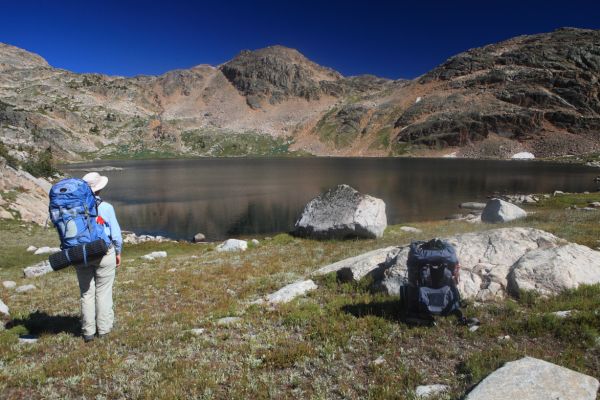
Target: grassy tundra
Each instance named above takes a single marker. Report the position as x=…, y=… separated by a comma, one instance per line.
x=320, y=346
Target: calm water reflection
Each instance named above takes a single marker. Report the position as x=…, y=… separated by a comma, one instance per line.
x=229, y=197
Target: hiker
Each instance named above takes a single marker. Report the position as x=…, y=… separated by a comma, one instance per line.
x=96, y=279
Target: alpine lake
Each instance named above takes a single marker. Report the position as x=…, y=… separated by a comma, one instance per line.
x=232, y=197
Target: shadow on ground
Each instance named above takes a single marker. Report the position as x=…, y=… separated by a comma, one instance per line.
x=38, y=323
x=390, y=310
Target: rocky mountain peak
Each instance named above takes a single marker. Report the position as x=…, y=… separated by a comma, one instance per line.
x=12, y=57
x=276, y=73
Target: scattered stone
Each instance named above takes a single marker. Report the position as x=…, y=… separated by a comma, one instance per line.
x=198, y=238
x=291, y=291
x=378, y=361
x=497, y=210
x=562, y=314
x=533, y=379
x=132, y=238
x=46, y=250
x=504, y=338
x=427, y=391
x=474, y=328
x=9, y=284
x=341, y=213
x=25, y=288
x=39, y=269
x=524, y=155
x=471, y=205
x=410, y=229
x=172, y=270
x=233, y=245
x=255, y=242
x=228, y=320
x=28, y=339
x=558, y=192
x=197, y=331
x=31, y=249
x=4, y=308
x=549, y=271
x=595, y=204
x=355, y=268
x=154, y=255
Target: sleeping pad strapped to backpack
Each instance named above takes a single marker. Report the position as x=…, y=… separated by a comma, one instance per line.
x=73, y=211
x=431, y=288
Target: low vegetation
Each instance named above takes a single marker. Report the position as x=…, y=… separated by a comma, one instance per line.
x=229, y=144
x=323, y=345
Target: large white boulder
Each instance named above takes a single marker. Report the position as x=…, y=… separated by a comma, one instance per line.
x=342, y=212
x=533, y=379
x=497, y=210
x=355, y=268
x=549, y=271
x=39, y=269
x=291, y=291
x=233, y=245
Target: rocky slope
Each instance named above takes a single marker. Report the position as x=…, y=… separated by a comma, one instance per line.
x=537, y=93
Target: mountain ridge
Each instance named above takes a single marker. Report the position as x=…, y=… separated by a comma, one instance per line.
x=534, y=93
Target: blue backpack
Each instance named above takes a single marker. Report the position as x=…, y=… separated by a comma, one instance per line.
x=73, y=211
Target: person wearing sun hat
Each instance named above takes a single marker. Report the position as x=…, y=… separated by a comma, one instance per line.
x=96, y=280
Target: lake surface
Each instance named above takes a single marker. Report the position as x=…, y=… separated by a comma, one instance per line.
x=228, y=197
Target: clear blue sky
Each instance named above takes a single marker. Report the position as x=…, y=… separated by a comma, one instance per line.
x=391, y=39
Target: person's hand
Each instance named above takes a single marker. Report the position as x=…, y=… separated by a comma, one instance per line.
x=118, y=259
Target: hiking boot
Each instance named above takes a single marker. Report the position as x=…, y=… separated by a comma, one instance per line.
x=88, y=338
x=103, y=335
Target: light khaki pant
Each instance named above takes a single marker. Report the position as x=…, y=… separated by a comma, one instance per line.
x=96, y=284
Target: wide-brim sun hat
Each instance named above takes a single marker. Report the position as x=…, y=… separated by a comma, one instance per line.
x=96, y=181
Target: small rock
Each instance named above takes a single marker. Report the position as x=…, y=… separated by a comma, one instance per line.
x=9, y=284
x=28, y=339
x=378, y=361
x=197, y=331
x=4, y=308
x=233, y=245
x=427, y=391
x=25, y=288
x=595, y=204
x=562, y=314
x=474, y=328
x=39, y=269
x=46, y=250
x=291, y=291
x=471, y=205
x=410, y=229
x=228, y=320
x=199, y=237
x=255, y=242
x=172, y=270
x=524, y=155
x=497, y=210
x=503, y=338
x=31, y=249
x=154, y=255
x=558, y=192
